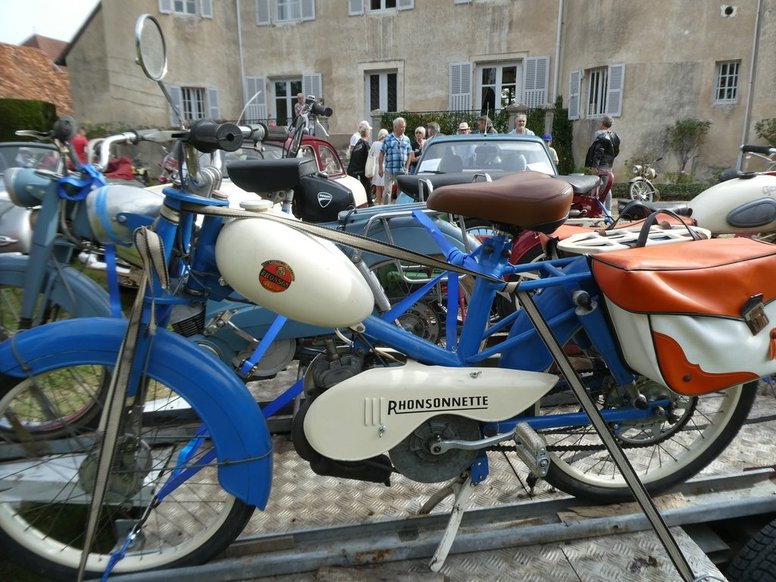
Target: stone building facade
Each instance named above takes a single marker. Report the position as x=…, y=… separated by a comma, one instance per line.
x=647, y=64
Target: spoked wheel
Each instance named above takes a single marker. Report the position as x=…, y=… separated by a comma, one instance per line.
x=663, y=451
x=48, y=460
x=642, y=191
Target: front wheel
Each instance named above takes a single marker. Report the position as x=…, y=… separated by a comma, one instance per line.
x=664, y=451
x=47, y=476
x=642, y=191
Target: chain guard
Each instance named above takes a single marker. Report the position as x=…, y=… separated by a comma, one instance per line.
x=412, y=457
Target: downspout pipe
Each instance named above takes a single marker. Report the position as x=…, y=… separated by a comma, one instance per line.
x=240, y=53
x=556, y=73
x=752, y=77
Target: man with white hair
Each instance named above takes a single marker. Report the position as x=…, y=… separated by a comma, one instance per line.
x=394, y=157
x=362, y=125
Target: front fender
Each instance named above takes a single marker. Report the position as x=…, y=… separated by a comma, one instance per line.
x=78, y=294
x=233, y=417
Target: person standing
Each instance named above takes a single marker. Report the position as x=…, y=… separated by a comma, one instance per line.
x=298, y=106
x=520, y=128
x=79, y=143
x=485, y=125
x=417, y=148
x=394, y=156
x=601, y=153
x=553, y=154
x=357, y=163
x=433, y=130
x=364, y=124
x=377, y=179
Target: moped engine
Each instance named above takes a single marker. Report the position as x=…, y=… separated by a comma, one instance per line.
x=415, y=458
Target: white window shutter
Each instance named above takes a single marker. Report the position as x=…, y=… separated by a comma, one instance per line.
x=355, y=7
x=206, y=8
x=308, y=9
x=263, y=14
x=311, y=85
x=405, y=4
x=614, y=93
x=256, y=92
x=462, y=1
x=214, y=112
x=177, y=98
x=165, y=6
x=460, y=87
x=575, y=82
x=535, y=76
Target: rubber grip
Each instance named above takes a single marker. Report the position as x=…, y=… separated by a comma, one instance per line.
x=208, y=136
x=757, y=149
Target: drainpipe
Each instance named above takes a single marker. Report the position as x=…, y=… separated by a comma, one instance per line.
x=240, y=52
x=752, y=75
x=557, y=54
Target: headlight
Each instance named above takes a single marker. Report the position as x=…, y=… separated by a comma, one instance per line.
x=637, y=170
x=651, y=173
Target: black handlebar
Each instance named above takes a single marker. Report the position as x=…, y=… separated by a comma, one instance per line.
x=260, y=132
x=208, y=136
x=757, y=149
x=319, y=109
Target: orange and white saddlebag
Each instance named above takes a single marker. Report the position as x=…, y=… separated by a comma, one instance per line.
x=695, y=316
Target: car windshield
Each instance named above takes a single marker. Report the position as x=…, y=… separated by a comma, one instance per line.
x=28, y=155
x=484, y=155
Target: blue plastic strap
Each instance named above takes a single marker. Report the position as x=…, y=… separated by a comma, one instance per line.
x=266, y=341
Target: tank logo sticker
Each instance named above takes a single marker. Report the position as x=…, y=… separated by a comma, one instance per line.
x=324, y=199
x=439, y=404
x=276, y=276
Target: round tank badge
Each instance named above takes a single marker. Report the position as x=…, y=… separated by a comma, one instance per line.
x=276, y=276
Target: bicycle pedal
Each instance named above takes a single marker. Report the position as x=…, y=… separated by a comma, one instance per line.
x=532, y=449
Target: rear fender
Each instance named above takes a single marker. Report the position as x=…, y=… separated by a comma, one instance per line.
x=77, y=293
x=237, y=426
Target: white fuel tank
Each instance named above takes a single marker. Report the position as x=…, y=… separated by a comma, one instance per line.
x=307, y=279
x=741, y=205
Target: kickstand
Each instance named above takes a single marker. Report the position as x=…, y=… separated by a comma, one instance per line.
x=462, y=488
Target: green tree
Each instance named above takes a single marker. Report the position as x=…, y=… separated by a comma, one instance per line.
x=766, y=129
x=685, y=137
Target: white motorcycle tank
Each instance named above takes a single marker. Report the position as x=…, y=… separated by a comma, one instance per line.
x=305, y=278
x=741, y=205
x=372, y=412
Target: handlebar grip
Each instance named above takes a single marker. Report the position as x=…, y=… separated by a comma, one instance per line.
x=208, y=136
x=143, y=133
x=757, y=149
x=64, y=128
x=319, y=109
x=277, y=133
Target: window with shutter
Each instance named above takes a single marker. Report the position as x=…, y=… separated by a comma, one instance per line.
x=616, y=75
x=311, y=85
x=460, y=87
x=214, y=112
x=263, y=15
x=355, y=7
x=256, y=100
x=206, y=8
x=176, y=98
x=575, y=82
x=537, y=71
x=165, y=6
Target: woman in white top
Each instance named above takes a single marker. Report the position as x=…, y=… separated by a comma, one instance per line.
x=377, y=179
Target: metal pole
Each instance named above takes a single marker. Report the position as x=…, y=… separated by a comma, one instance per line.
x=636, y=486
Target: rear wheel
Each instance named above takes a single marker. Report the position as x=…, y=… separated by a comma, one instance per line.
x=664, y=450
x=48, y=459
